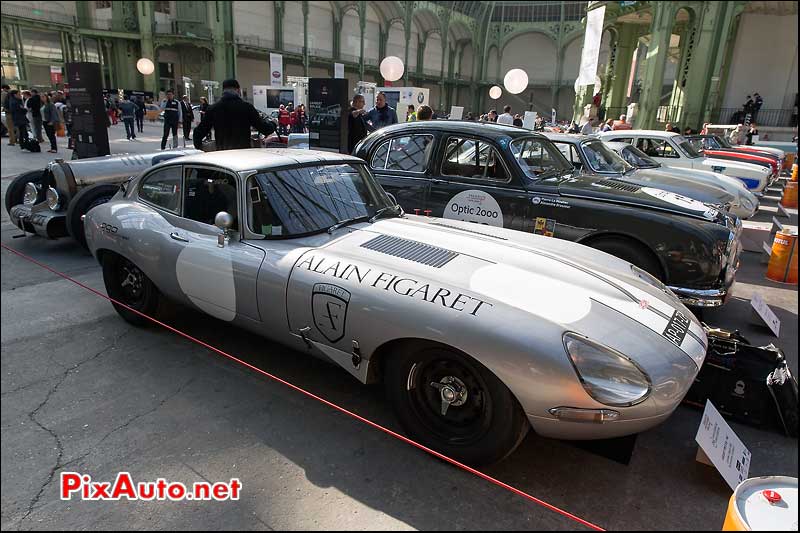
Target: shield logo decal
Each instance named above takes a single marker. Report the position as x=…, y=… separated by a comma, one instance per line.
x=329, y=309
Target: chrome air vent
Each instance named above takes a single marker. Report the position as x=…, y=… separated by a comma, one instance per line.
x=619, y=185
x=468, y=230
x=410, y=250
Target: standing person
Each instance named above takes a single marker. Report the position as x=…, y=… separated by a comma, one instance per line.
x=188, y=116
x=607, y=125
x=139, y=114
x=357, y=127
x=34, y=105
x=518, y=120
x=19, y=114
x=4, y=103
x=381, y=115
x=284, y=120
x=588, y=128
x=50, y=120
x=300, y=119
x=128, y=110
x=506, y=117
x=203, y=110
x=757, y=103
x=231, y=118
x=491, y=116
x=735, y=136
x=752, y=132
x=411, y=115
x=172, y=119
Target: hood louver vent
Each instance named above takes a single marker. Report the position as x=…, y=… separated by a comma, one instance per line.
x=410, y=250
x=619, y=185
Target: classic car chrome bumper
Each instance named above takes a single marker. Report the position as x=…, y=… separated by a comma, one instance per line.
x=702, y=298
x=40, y=219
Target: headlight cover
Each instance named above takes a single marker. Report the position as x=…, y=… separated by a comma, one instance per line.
x=607, y=375
x=53, y=200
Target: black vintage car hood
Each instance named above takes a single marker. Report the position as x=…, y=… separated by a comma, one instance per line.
x=620, y=192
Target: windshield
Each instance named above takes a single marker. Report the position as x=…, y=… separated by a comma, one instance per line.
x=601, y=158
x=698, y=143
x=637, y=158
x=311, y=199
x=686, y=147
x=537, y=157
x=722, y=141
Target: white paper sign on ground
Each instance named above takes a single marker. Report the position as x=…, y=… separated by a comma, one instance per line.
x=456, y=112
x=530, y=120
x=726, y=452
x=765, y=313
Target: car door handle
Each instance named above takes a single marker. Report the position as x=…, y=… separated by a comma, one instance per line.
x=177, y=237
x=438, y=181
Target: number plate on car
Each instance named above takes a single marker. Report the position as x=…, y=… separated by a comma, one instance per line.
x=676, y=328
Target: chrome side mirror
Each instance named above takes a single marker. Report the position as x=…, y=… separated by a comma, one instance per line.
x=223, y=221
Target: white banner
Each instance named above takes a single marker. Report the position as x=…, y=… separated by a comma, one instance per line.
x=338, y=70
x=591, y=46
x=275, y=69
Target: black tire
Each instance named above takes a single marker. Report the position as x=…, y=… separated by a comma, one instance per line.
x=81, y=204
x=485, y=427
x=127, y=284
x=630, y=251
x=16, y=189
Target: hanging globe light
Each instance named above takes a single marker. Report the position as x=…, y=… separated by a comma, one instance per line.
x=515, y=81
x=495, y=92
x=392, y=68
x=145, y=66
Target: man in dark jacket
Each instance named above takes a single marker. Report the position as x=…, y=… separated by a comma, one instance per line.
x=188, y=116
x=139, y=113
x=231, y=119
x=34, y=105
x=128, y=110
x=19, y=115
x=172, y=119
x=357, y=126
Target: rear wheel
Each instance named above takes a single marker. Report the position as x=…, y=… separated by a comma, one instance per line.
x=127, y=284
x=453, y=404
x=631, y=252
x=85, y=200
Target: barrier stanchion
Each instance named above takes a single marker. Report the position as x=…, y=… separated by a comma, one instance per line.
x=794, y=173
x=789, y=198
x=783, y=259
x=766, y=503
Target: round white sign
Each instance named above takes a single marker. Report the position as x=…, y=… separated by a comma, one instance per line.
x=474, y=206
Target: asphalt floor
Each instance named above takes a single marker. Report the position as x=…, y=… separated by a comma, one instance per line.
x=84, y=391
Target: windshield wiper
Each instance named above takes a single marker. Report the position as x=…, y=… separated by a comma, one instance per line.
x=347, y=222
x=395, y=209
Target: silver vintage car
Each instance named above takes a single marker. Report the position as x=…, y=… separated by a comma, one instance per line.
x=478, y=333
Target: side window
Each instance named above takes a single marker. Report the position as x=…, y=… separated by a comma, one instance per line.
x=656, y=147
x=408, y=154
x=162, y=188
x=626, y=140
x=470, y=158
x=571, y=153
x=629, y=156
x=261, y=218
x=207, y=192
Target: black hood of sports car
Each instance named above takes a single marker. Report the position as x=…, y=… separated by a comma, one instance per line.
x=621, y=192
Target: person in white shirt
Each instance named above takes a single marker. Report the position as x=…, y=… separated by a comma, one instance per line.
x=506, y=117
x=588, y=128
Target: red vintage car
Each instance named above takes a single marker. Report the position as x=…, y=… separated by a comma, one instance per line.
x=720, y=148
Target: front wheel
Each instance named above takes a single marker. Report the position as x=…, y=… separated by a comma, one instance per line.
x=84, y=201
x=451, y=403
x=127, y=284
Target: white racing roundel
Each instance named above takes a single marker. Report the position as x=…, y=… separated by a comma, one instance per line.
x=474, y=206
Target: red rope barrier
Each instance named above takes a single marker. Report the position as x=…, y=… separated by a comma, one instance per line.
x=319, y=399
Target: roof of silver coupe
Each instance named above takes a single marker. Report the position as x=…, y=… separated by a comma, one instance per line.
x=261, y=158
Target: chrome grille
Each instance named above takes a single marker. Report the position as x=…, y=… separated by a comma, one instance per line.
x=410, y=250
x=619, y=185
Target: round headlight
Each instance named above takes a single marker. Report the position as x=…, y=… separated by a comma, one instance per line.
x=53, y=200
x=31, y=194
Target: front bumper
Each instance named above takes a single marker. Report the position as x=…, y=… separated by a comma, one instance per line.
x=702, y=297
x=567, y=430
x=40, y=219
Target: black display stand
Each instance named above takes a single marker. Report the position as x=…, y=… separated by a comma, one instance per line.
x=89, y=118
x=328, y=102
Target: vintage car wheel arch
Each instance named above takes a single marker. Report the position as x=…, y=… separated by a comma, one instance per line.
x=636, y=245
x=153, y=297
x=81, y=203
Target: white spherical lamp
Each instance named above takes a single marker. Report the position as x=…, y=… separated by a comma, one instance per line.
x=495, y=92
x=145, y=66
x=392, y=68
x=515, y=81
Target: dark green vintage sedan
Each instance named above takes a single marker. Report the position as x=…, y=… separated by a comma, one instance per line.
x=511, y=177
